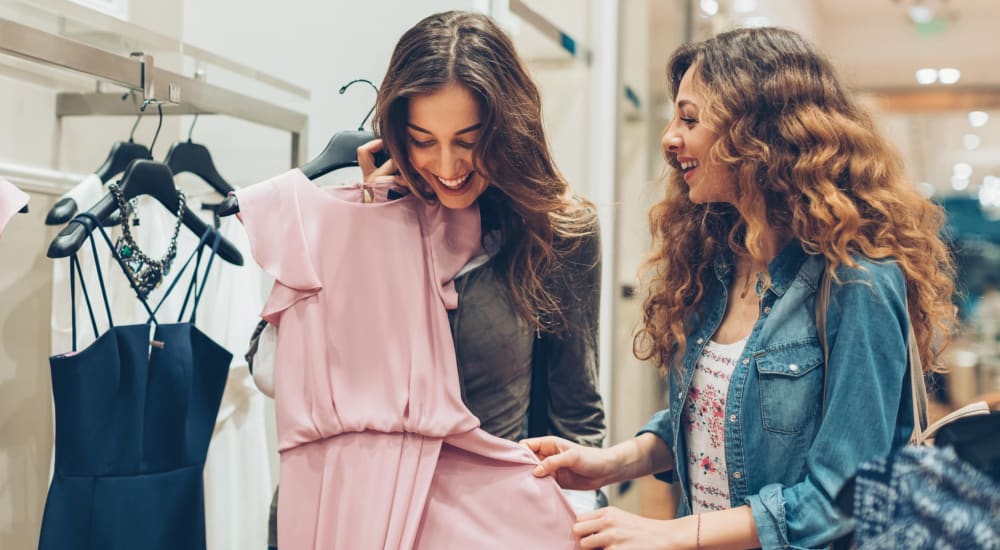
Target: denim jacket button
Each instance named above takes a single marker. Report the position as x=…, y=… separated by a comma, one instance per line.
x=737, y=475
x=767, y=310
x=680, y=395
x=746, y=361
x=732, y=418
x=793, y=367
x=701, y=341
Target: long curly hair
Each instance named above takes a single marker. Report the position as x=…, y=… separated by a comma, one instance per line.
x=809, y=163
x=527, y=199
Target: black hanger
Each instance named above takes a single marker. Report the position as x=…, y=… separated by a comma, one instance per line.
x=23, y=210
x=142, y=177
x=340, y=152
x=342, y=149
x=121, y=154
x=185, y=156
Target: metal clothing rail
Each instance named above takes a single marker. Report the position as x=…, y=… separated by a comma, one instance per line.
x=549, y=29
x=138, y=73
x=154, y=41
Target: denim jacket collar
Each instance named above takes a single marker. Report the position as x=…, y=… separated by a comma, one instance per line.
x=783, y=268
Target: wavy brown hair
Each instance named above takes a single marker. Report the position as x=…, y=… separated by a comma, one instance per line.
x=527, y=199
x=810, y=164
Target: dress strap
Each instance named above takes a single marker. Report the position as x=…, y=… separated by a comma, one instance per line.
x=121, y=263
x=193, y=288
x=195, y=254
x=75, y=269
x=204, y=276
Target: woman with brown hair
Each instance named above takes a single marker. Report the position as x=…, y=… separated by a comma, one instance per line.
x=778, y=176
x=461, y=120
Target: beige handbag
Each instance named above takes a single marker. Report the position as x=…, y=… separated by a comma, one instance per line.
x=922, y=433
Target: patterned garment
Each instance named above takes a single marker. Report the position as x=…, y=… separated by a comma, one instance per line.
x=704, y=422
x=925, y=497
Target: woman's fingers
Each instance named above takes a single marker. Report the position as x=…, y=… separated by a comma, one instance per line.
x=366, y=157
x=588, y=529
x=553, y=463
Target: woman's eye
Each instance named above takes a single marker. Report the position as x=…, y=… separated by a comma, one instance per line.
x=421, y=144
x=689, y=120
x=465, y=144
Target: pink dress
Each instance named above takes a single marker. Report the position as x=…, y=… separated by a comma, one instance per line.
x=11, y=200
x=377, y=449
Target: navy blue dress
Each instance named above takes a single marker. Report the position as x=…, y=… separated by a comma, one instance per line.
x=134, y=418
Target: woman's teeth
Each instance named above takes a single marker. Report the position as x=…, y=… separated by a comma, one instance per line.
x=689, y=165
x=455, y=183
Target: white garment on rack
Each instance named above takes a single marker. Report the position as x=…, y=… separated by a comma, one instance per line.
x=11, y=200
x=238, y=481
x=85, y=194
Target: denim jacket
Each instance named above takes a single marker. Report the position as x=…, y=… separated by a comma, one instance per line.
x=788, y=454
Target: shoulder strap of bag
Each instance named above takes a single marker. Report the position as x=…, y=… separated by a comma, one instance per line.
x=918, y=388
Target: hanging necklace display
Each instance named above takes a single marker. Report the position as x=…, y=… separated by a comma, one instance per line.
x=145, y=272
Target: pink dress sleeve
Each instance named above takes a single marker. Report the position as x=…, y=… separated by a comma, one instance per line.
x=455, y=237
x=272, y=213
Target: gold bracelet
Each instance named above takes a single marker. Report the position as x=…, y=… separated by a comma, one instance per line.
x=697, y=539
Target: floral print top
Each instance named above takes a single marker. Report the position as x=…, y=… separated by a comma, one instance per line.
x=704, y=423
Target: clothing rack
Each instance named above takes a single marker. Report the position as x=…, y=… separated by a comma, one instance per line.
x=138, y=73
x=550, y=30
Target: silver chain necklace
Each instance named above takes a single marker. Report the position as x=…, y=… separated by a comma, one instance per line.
x=145, y=272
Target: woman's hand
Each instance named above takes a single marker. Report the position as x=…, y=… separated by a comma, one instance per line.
x=574, y=466
x=366, y=160
x=615, y=529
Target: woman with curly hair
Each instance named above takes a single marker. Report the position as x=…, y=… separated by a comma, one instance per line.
x=778, y=175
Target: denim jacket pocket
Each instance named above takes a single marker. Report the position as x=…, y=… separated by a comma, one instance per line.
x=791, y=379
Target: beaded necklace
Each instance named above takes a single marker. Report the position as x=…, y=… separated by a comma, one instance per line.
x=145, y=272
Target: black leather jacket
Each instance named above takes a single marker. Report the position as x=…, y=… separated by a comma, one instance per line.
x=494, y=347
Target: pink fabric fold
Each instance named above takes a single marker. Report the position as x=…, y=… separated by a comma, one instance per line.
x=377, y=448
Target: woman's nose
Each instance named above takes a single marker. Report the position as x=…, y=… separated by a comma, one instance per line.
x=671, y=141
x=451, y=163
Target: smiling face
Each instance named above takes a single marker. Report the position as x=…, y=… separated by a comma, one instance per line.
x=689, y=141
x=443, y=128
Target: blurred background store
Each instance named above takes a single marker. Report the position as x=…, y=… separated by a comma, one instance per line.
x=267, y=77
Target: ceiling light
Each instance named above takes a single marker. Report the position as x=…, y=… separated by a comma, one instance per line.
x=920, y=14
x=709, y=7
x=949, y=75
x=971, y=141
x=978, y=119
x=926, y=76
x=989, y=193
x=962, y=170
x=959, y=183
